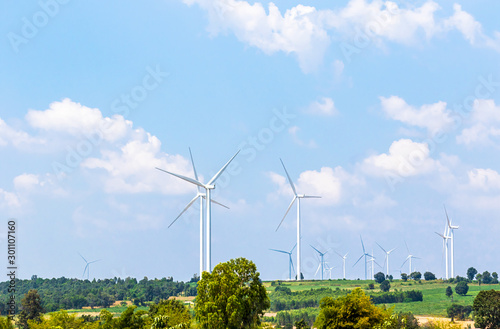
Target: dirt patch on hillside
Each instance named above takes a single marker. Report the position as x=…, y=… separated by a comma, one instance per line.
x=425, y=319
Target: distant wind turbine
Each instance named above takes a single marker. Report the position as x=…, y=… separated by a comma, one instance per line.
x=452, y=237
x=445, y=238
x=295, y=197
x=208, y=189
x=387, y=253
x=409, y=258
x=365, y=254
x=202, y=198
x=343, y=261
x=322, y=262
x=87, y=266
x=290, y=262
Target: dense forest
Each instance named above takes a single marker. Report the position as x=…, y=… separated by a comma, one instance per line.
x=64, y=293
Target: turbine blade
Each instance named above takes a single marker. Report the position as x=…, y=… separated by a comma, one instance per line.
x=319, y=266
x=192, y=181
x=222, y=169
x=83, y=258
x=293, y=248
x=84, y=270
x=407, y=247
x=345, y=255
x=289, y=179
x=440, y=235
x=289, y=207
x=291, y=261
x=391, y=250
x=94, y=261
x=381, y=247
x=338, y=254
x=448, y=219
x=185, y=209
x=358, y=260
x=311, y=197
x=362, y=244
x=405, y=261
x=220, y=204
x=378, y=264
x=194, y=168
x=284, y=252
x=319, y=252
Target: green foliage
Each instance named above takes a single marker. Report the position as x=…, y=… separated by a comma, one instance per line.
x=486, y=308
x=354, y=310
x=371, y=286
x=232, y=296
x=379, y=277
x=495, y=277
x=397, y=297
x=31, y=309
x=404, y=277
x=285, y=299
x=487, y=277
x=6, y=323
x=385, y=286
x=301, y=324
x=471, y=273
x=459, y=312
x=428, y=276
x=416, y=276
x=400, y=321
x=170, y=313
x=61, y=319
x=441, y=325
x=462, y=288
x=449, y=292
x=289, y=318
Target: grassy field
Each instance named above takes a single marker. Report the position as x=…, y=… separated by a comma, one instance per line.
x=435, y=301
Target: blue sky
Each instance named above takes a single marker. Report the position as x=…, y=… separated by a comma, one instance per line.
x=388, y=110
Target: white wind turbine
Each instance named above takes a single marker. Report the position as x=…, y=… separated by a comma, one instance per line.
x=373, y=261
x=445, y=238
x=202, y=197
x=87, y=266
x=365, y=254
x=290, y=262
x=329, y=270
x=409, y=258
x=322, y=262
x=295, y=197
x=343, y=261
x=208, y=188
x=452, y=235
x=387, y=253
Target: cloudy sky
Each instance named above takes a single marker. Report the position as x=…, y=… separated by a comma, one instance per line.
x=387, y=109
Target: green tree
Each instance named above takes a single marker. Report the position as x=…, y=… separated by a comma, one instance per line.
x=471, y=273
x=385, y=286
x=352, y=311
x=301, y=324
x=462, y=288
x=449, y=293
x=6, y=323
x=428, y=276
x=487, y=277
x=479, y=278
x=486, y=308
x=459, y=312
x=379, y=277
x=416, y=276
x=495, y=277
x=232, y=296
x=404, y=277
x=171, y=312
x=31, y=308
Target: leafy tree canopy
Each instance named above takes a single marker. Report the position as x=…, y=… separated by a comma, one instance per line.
x=486, y=308
x=462, y=288
x=471, y=273
x=379, y=277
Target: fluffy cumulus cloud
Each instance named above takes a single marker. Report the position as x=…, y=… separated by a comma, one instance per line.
x=9, y=200
x=433, y=117
x=329, y=183
x=306, y=31
x=405, y=158
x=325, y=107
x=17, y=138
x=484, y=179
x=483, y=127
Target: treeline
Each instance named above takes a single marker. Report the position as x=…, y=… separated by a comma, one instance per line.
x=397, y=297
x=284, y=299
x=288, y=318
x=64, y=293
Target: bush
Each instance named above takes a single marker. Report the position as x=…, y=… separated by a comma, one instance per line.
x=385, y=286
x=429, y=276
x=462, y=288
x=459, y=312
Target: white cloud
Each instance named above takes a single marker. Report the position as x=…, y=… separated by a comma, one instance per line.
x=484, y=179
x=18, y=138
x=26, y=182
x=325, y=107
x=484, y=124
x=404, y=159
x=329, y=183
x=433, y=117
x=293, y=131
x=9, y=199
x=306, y=31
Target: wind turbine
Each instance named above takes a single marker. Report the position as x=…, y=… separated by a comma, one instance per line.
x=452, y=235
x=409, y=258
x=387, y=253
x=322, y=263
x=445, y=247
x=329, y=269
x=87, y=267
x=295, y=197
x=208, y=189
x=202, y=197
x=373, y=261
x=363, y=255
x=290, y=263
x=343, y=261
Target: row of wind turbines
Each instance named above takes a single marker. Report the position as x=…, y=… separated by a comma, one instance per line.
x=205, y=199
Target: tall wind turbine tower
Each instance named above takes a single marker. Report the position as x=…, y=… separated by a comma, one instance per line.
x=295, y=197
x=387, y=253
x=365, y=254
x=208, y=189
x=409, y=258
x=202, y=197
x=290, y=262
x=343, y=261
x=452, y=237
x=445, y=238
